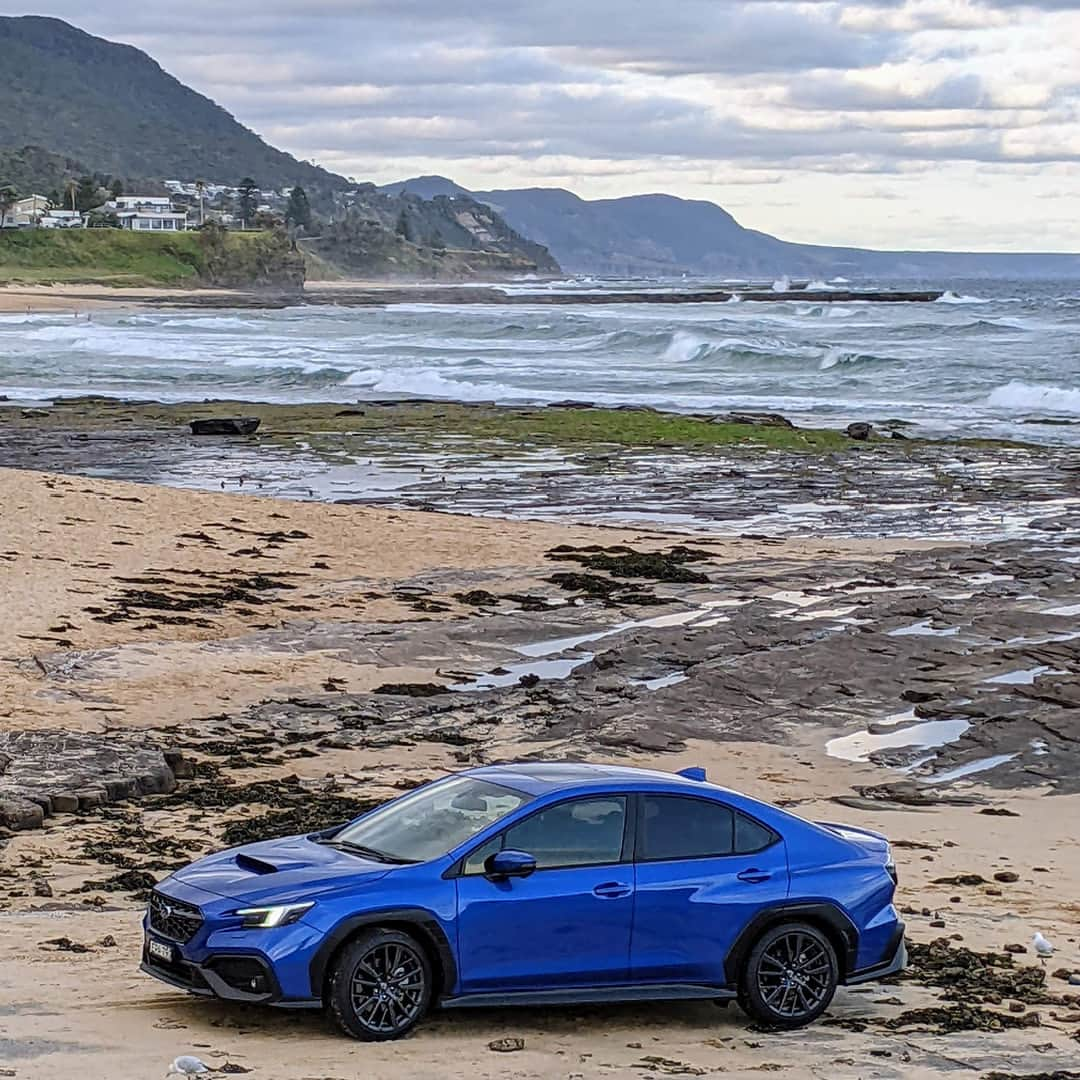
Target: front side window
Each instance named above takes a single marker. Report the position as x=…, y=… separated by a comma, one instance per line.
x=431, y=821
x=583, y=832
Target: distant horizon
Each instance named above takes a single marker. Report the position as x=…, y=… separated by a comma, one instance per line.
x=910, y=127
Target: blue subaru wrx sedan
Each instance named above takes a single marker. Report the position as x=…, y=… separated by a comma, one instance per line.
x=537, y=884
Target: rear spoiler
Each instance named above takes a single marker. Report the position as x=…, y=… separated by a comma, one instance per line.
x=695, y=772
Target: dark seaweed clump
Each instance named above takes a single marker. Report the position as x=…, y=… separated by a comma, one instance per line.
x=625, y=562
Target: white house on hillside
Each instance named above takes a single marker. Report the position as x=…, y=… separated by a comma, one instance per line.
x=146, y=213
x=28, y=211
x=61, y=219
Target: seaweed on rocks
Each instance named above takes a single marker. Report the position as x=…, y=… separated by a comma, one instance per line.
x=411, y=689
x=977, y=978
x=624, y=562
x=1057, y=1074
x=317, y=811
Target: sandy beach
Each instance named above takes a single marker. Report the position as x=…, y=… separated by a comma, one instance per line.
x=81, y=299
x=142, y=617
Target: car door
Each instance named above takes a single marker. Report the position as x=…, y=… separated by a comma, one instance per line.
x=702, y=870
x=565, y=925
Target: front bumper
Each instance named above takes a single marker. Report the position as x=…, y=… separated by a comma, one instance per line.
x=220, y=959
x=896, y=959
x=230, y=977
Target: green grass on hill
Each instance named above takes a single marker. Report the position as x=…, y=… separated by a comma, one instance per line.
x=119, y=258
x=99, y=256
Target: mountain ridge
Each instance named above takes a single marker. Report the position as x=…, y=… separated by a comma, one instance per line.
x=658, y=234
x=116, y=110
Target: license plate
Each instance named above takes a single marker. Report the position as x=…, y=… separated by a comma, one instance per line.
x=159, y=950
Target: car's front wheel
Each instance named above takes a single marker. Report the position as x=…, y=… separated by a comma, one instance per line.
x=380, y=985
x=790, y=976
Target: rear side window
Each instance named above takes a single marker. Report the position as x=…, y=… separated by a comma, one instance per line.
x=678, y=828
x=751, y=835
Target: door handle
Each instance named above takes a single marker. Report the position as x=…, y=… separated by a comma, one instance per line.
x=612, y=890
x=754, y=876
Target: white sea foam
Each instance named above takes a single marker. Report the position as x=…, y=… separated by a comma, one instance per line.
x=1035, y=398
x=426, y=382
x=953, y=298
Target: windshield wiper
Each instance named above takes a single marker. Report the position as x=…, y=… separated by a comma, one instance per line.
x=366, y=852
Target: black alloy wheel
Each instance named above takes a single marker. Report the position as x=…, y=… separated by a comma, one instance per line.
x=380, y=985
x=790, y=977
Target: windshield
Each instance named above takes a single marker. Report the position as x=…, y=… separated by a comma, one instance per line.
x=433, y=820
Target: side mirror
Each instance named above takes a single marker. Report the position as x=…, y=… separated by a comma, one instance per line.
x=509, y=864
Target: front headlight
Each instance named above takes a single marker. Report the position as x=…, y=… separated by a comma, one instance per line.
x=265, y=918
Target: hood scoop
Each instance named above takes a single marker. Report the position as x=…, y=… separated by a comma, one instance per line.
x=256, y=866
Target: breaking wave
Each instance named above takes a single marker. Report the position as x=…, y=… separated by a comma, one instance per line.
x=1035, y=398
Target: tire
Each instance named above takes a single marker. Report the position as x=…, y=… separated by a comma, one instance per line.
x=790, y=976
x=379, y=985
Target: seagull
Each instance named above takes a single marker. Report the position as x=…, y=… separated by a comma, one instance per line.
x=186, y=1065
x=1043, y=948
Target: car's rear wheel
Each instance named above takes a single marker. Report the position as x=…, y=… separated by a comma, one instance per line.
x=380, y=985
x=789, y=977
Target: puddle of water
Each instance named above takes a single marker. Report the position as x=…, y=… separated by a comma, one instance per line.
x=1068, y=609
x=929, y=733
x=1040, y=747
x=796, y=597
x=1045, y=639
x=511, y=676
x=969, y=768
x=661, y=681
x=1023, y=677
x=700, y=617
x=923, y=629
x=823, y=613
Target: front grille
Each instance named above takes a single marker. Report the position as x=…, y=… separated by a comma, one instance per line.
x=173, y=918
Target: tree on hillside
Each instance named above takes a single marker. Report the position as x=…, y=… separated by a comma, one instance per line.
x=89, y=195
x=116, y=188
x=8, y=198
x=298, y=211
x=71, y=194
x=200, y=190
x=247, y=199
x=402, y=226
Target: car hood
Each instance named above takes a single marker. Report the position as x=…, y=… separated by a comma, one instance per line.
x=279, y=871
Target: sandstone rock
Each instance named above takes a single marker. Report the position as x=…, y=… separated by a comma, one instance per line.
x=62, y=772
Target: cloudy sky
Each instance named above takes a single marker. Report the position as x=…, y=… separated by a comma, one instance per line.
x=900, y=123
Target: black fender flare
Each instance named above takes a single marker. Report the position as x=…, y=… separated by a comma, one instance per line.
x=421, y=922
x=840, y=928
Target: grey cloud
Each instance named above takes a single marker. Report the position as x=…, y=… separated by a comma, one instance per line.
x=347, y=81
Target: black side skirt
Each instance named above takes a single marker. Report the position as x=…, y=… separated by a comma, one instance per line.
x=585, y=994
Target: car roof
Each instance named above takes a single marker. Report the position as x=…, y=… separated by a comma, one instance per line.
x=544, y=777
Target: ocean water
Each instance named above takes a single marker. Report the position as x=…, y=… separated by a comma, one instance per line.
x=992, y=358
